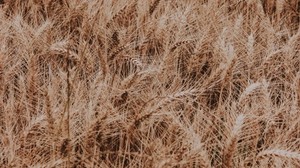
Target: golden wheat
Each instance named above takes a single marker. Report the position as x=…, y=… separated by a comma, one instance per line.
x=132, y=83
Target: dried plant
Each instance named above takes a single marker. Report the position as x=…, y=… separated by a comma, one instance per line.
x=132, y=83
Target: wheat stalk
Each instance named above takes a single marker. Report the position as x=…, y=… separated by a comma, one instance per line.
x=153, y=6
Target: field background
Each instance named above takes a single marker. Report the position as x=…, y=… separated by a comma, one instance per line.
x=155, y=83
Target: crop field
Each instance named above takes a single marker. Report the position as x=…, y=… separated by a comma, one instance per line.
x=150, y=83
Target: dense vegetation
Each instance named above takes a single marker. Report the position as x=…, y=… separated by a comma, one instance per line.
x=155, y=83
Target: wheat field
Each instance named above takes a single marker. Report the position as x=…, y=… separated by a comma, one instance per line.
x=154, y=83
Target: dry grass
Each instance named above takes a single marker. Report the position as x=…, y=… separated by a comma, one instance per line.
x=134, y=83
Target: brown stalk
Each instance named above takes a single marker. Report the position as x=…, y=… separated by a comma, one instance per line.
x=153, y=6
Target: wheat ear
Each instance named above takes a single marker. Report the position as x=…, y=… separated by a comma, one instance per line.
x=231, y=144
x=280, y=153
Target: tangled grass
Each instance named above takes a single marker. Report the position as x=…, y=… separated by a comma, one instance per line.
x=133, y=83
